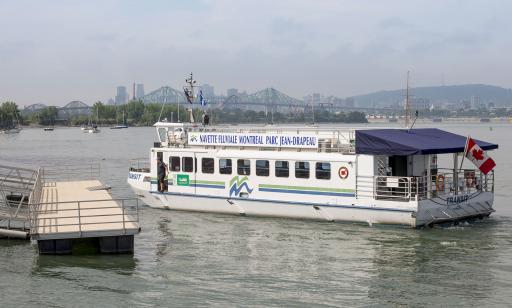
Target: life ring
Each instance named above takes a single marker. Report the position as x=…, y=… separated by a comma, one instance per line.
x=440, y=182
x=343, y=173
x=470, y=179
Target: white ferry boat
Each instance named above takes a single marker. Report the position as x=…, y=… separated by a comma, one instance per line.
x=375, y=176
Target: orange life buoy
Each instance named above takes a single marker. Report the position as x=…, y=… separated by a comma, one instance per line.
x=440, y=182
x=470, y=179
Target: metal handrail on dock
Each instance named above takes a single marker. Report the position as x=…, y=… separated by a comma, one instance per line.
x=71, y=172
x=50, y=218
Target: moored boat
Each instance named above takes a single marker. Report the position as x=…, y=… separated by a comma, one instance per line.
x=374, y=176
x=386, y=176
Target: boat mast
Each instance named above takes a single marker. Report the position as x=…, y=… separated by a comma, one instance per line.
x=407, y=106
x=190, y=90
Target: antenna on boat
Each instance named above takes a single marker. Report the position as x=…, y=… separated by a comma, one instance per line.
x=407, y=106
x=416, y=114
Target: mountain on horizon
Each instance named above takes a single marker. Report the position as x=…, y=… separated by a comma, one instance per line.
x=451, y=94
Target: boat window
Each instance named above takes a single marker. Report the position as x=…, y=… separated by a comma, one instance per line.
x=208, y=165
x=188, y=164
x=282, y=169
x=302, y=169
x=225, y=166
x=162, y=134
x=243, y=167
x=262, y=167
x=323, y=171
x=174, y=163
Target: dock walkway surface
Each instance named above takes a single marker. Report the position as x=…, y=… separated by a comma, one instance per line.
x=80, y=209
x=66, y=206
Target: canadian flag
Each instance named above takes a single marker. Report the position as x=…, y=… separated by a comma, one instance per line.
x=475, y=154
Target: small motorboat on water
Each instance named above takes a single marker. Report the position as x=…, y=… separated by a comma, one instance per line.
x=119, y=127
x=48, y=129
x=92, y=130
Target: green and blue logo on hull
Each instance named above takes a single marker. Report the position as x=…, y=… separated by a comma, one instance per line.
x=236, y=185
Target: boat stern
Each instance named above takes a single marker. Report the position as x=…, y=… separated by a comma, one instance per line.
x=454, y=208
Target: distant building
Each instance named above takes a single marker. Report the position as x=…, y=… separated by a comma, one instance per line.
x=466, y=104
x=418, y=103
x=122, y=95
x=350, y=102
x=232, y=92
x=316, y=99
x=111, y=102
x=208, y=91
x=476, y=102
x=139, y=90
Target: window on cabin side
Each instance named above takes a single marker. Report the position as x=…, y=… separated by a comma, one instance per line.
x=282, y=169
x=225, y=166
x=262, y=168
x=323, y=171
x=302, y=169
x=243, y=167
x=208, y=165
x=174, y=163
x=188, y=164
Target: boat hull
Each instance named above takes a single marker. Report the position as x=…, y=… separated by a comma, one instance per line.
x=370, y=214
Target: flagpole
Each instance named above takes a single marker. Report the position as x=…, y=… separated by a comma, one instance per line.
x=464, y=154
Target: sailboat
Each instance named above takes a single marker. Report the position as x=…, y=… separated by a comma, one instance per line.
x=120, y=126
x=92, y=128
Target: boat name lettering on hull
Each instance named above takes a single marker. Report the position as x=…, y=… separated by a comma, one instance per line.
x=134, y=176
x=457, y=199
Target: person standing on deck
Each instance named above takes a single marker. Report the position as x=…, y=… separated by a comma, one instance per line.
x=161, y=173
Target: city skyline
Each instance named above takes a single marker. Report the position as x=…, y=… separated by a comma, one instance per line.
x=62, y=51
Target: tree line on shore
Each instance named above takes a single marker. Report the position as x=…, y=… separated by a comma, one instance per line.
x=136, y=113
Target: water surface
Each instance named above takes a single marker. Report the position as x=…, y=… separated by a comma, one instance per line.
x=192, y=259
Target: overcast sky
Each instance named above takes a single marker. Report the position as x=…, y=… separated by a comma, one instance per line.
x=57, y=51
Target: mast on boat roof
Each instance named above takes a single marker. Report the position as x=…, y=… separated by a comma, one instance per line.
x=407, y=105
x=189, y=91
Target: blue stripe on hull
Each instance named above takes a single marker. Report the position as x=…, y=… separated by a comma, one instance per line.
x=307, y=192
x=208, y=186
x=355, y=207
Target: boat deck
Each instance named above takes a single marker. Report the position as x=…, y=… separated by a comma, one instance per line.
x=78, y=209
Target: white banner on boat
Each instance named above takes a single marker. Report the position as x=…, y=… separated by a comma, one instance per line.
x=254, y=140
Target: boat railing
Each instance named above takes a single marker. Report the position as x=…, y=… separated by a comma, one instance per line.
x=140, y=165
x=71, y=172
x=442, y=184
x=463, y=181
x=400, y=188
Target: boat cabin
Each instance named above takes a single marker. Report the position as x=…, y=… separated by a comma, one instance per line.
x=382, y=164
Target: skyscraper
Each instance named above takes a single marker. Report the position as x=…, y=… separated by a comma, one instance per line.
x=122, y=95
x=139, y=92
x=207, y=91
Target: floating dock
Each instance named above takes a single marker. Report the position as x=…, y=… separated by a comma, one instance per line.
x=65, y=213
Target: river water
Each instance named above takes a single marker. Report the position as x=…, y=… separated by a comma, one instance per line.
x=194, y=259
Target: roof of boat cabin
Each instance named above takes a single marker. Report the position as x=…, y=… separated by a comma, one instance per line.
x=417, y=141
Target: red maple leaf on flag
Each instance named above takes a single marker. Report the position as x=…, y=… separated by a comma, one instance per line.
x=478, y=154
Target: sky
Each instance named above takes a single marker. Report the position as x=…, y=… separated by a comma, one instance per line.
x=57, y=51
